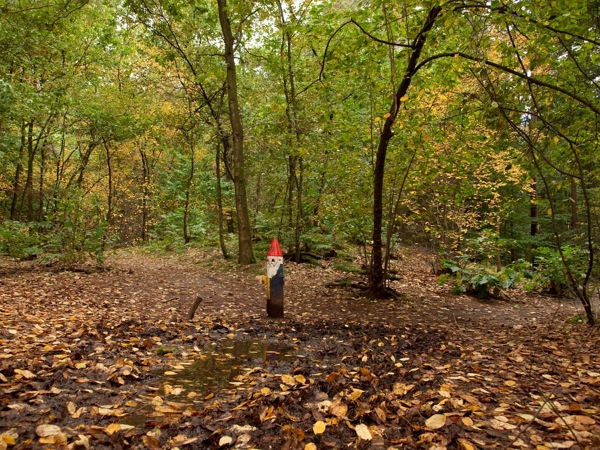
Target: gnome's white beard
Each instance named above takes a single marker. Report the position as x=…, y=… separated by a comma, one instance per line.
x=273, y=263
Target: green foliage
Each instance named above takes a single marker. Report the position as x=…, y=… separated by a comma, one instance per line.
x=20, y=240
x=74, y=233
x=477, y=279
x=71, y=235
x=551, y=276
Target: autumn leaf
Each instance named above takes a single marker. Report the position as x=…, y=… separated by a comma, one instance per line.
x=463, y=444
x=355, y=394
x=46, y=430
x=436, y=422
x=319, y=427
x=288, y=380
x=151, y=442
x=362, y=431
x=225, y=440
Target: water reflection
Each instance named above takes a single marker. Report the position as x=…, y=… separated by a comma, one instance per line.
x=219, y=366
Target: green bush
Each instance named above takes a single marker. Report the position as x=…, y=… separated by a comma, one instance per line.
x=20, y=240
x=478, y=280
x=550, y=276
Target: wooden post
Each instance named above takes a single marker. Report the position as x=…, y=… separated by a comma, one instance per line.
x=274, y=280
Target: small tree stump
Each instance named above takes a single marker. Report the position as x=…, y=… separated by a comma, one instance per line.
x=194, y=307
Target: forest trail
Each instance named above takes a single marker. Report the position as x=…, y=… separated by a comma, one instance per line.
x=95, y=360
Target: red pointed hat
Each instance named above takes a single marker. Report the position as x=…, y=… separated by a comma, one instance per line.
x=275, y=249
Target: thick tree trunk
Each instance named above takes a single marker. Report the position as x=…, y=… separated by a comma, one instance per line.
x=246, y=255
x=376, y=272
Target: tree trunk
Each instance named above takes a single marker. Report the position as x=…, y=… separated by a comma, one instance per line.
x=533, y=210
x=188, y=188
x=145, y=193
x=246, y=255
x=376, y=272
x=220, y=200
x=19, y=169
x=573, y=200
x=109, y=200
x=28, y=189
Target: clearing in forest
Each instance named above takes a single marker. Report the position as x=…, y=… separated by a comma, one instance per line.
x=106, y=359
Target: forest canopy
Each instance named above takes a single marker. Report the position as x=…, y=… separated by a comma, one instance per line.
x=468, y=127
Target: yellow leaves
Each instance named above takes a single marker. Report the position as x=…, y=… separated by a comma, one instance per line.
x=404, y=98
x=362, y=431
x=463, y=444
x=116, y=427
x=445, y=390
x=23, y=373
x=225, y=440
x=319, y=427
x=436, y=422
x=51, y=434
x=288, y=380
x=267, y=413
x=8, y=438
x=338, y=409
x=355, y=394
x=401, y=389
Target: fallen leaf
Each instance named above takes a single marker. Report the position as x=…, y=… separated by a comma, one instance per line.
x=319, y=427
x=225, y=440
x=288, y=379
x=362, y=431
x=46, y=430
x=355, y=394
x=436, y=422
x=463, y=444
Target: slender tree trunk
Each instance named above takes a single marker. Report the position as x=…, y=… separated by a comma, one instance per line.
x=376, y=272
x=295, y=162
x=533, y=210
x=145, y=194
x=573, y=201
x=188, y=188
x=28, y=189
x=41, y=192
x=109, y=200
x=19, y=169
x=220, y=200
x=246, y=255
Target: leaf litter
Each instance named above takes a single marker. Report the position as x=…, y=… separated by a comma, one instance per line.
x=105, y=359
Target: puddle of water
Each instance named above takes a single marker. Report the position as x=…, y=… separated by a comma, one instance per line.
x=214, y=370
x=218, y=367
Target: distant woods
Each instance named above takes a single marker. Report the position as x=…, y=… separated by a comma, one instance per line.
x=467, y=127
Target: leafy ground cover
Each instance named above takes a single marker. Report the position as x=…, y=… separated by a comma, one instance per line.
x=106, y=360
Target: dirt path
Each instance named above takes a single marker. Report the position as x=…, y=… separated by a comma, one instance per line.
x=105, y=360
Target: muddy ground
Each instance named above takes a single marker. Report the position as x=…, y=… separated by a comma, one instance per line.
x=107, y=359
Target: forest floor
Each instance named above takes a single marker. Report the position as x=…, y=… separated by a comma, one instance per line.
x=106, y=359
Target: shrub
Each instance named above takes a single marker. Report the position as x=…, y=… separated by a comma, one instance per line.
x=479, y=280
x=550, y=276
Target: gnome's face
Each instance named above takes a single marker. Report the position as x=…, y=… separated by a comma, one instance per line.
x=273, y=263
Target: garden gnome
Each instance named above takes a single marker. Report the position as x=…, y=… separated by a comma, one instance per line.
x=274, y=280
